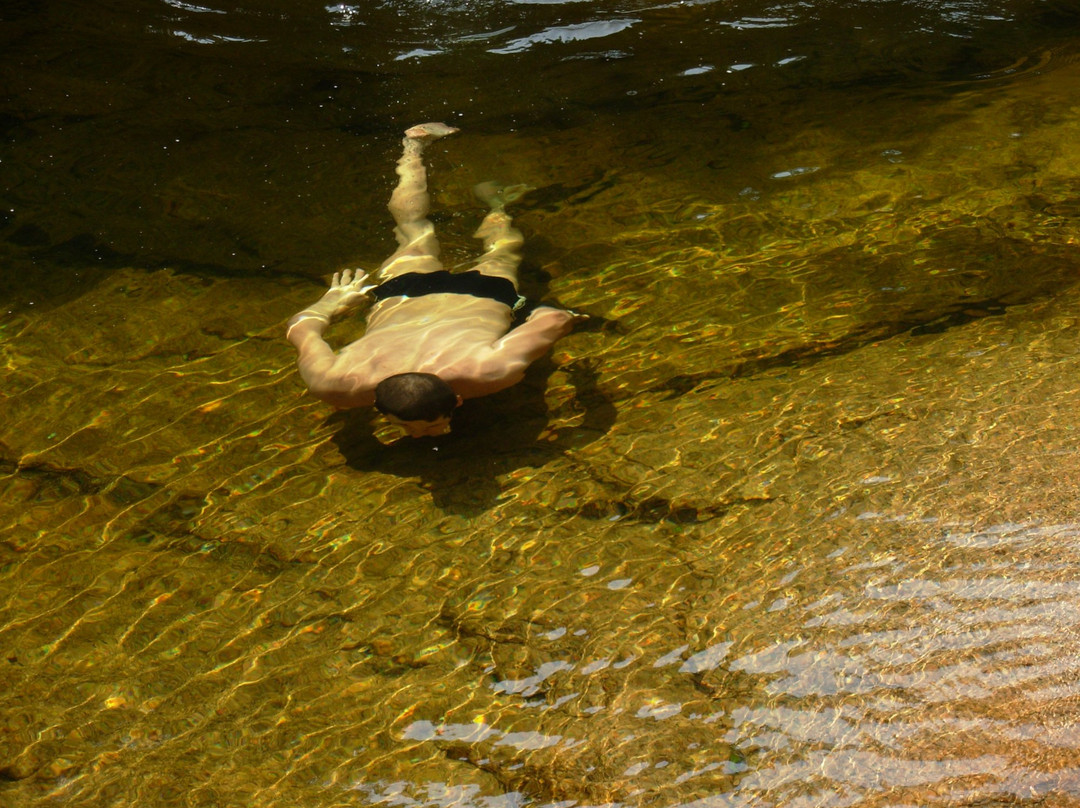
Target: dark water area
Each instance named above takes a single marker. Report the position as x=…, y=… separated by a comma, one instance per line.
x=792, y=523
x=221, y=139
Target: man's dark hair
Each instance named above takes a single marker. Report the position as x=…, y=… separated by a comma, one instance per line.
x=415, y=397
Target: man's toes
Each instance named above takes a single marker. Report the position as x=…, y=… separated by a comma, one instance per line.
x=430, y=131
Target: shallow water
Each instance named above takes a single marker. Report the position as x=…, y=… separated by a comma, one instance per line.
x=793, y=524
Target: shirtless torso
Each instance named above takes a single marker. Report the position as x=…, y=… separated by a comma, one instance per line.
x=465, y=340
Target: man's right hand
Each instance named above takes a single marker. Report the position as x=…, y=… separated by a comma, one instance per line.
x=346, y=292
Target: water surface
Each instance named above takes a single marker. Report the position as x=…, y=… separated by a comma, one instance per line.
x=793, y=525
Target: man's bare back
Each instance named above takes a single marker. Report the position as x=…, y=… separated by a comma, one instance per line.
x=417, y=327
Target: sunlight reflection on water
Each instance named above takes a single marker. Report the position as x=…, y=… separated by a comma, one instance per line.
x=794, y=525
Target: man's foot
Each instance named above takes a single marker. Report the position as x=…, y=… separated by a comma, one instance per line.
x=495, y=228
x=428, y=132
x=497, y=197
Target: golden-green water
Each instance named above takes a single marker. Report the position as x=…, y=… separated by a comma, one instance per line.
x=795, y=524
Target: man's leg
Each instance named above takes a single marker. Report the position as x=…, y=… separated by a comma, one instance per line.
x=502, y=241
x=418, y=249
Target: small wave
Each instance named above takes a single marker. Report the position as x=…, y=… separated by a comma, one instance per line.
x=579, y=32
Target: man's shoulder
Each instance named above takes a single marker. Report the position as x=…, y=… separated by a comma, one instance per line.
x=348, y=379
x=479, y=366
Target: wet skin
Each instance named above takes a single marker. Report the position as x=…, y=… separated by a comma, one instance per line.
x=463, y=340
x=466, y=341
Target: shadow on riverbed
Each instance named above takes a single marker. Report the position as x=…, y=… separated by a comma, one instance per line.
x=492, y=437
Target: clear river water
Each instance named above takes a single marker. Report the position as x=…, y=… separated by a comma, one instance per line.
x=793, y=522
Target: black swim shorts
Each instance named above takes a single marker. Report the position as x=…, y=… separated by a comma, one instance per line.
x=474, y=283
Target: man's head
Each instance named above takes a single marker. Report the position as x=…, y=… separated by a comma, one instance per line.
x=420, y=403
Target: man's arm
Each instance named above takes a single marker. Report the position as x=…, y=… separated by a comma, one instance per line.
x=316, y=359
x=526, y=343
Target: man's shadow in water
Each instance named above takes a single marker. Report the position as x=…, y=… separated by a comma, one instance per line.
x=496, y=434
x=491, y=437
